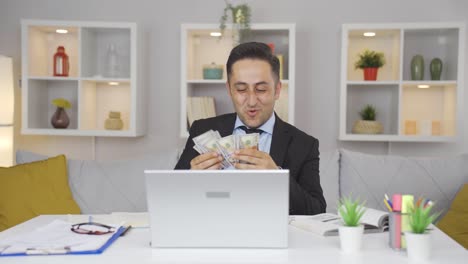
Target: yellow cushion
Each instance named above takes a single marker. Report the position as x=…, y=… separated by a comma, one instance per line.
x=455, y=222
x=35, y=188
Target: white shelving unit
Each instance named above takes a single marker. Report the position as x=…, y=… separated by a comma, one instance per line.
x=89, y=89
x=198, y=48
x=405, y=110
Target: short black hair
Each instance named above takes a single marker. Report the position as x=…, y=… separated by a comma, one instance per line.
x=253, y=50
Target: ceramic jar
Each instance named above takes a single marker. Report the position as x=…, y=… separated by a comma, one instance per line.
x=435, y=69
x=417, y=68
x=113, y=122
x=60, y=118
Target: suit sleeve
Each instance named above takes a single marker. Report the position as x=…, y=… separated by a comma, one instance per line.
x=305, y=191
x=189, y=152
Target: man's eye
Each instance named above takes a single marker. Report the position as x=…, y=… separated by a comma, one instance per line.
x=241, y=88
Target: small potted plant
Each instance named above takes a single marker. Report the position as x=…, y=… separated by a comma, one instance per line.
x=240, y=15
x=368, y=123
x=60, y=118
x=418, y=238
x=370, y=61
x=351, y=211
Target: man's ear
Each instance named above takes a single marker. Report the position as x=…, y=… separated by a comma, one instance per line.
x=278, y=90
x=228, y=88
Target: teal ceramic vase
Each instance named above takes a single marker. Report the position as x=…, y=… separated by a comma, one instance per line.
x=417, y=68
x=436, y=69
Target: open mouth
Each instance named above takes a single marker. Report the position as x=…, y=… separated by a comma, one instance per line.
x=252, y=113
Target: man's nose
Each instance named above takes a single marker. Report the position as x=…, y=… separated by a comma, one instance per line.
x=252, y=98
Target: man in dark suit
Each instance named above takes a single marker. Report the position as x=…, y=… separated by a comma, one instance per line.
x=253, y=85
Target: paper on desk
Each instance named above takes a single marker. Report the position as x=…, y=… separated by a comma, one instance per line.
x=133, y=219
x=55, y=235
x=115, y=218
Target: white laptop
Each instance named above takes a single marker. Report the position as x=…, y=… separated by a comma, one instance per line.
x=231, y=208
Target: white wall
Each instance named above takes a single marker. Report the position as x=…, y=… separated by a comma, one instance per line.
x=317, y=70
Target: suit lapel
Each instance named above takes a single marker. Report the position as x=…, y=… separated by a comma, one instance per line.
x=279, y=141
x=226, y=125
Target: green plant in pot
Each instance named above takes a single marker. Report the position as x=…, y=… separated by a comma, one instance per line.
x=368, y=123
x=240, y=15
x=370, y=61
x=60, y=118
x=351, y=210
x=418, y=238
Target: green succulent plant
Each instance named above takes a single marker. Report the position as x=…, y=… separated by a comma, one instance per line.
x=61, y=102
x=240, y=15
x=368, y=113
x=370, y=59
x=351, y=210
x=420, y=217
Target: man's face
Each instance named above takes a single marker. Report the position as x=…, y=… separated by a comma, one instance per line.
x=253, y=91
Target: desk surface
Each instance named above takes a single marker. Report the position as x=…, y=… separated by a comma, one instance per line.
x=304, y=247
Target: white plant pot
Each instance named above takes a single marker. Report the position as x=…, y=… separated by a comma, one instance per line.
x=418, y=246
x=351, y=238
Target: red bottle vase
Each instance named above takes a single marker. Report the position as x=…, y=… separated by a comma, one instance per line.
x=61, y=63
x=370, y=74
x=60, y=118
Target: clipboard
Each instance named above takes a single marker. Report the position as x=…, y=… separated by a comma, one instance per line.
x=46, y=252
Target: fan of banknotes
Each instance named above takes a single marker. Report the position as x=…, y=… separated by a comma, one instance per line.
x=212, y=141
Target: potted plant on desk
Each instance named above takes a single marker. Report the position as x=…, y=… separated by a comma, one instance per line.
x=418, y=239
x=351, y=232
x=370, y=61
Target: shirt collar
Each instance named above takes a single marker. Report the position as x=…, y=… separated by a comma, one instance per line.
x=266, y=127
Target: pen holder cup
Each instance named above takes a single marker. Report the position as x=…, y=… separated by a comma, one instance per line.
x=398, y=223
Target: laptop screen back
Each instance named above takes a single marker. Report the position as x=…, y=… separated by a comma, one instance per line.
x=232, y=208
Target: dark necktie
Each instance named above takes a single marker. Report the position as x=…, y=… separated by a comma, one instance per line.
x=251, y=130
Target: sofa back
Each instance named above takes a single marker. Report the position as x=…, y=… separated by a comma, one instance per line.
x=101, y=187
x=373, y=176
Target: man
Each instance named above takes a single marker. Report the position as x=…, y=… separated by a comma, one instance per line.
x=253, y=85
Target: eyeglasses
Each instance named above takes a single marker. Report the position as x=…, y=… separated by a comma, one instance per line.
x=92, y=228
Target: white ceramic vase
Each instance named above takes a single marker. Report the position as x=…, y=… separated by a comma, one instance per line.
x=351, y=238
x=418, y=246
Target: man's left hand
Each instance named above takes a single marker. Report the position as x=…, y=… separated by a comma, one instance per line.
x=256, y=160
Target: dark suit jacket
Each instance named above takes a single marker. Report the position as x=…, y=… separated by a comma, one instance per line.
x=290, y=149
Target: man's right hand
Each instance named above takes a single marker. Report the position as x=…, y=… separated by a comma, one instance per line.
x=207, y=161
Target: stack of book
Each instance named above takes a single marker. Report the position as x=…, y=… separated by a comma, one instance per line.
x=199, y=108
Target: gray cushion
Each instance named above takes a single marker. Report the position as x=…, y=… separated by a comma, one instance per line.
x=109, y=186
x=371, y=176
x=329, y=164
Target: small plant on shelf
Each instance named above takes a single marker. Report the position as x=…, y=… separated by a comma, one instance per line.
x=368, y=123
x=351, y=210
x=240, y=15
x=61, y=102
x=370, y=61
x=368, y=113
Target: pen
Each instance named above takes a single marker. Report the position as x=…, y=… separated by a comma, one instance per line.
x=126, y=230
x=387, y=205
x=47, y=251
x=389, y=201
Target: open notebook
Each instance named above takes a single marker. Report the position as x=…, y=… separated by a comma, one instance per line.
x=327, y=224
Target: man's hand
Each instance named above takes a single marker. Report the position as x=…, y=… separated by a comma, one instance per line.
x=207, y=161
x=257, y=160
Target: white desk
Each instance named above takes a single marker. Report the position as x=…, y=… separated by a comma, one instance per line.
x=304, y=247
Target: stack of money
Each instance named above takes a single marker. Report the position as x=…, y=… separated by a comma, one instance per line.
x=226, y=146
